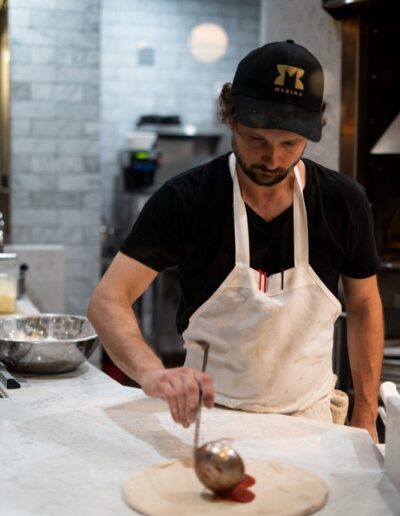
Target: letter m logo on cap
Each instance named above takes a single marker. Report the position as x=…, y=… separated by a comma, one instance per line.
x=285, y=70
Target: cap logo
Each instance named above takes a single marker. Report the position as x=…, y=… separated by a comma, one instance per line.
x=286, y=71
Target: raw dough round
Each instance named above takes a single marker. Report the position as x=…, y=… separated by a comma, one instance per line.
x=173, y=489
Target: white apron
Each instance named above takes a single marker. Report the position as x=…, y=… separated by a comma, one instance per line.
x=269, y=351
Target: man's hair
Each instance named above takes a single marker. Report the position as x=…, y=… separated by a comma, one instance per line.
x=226, y=110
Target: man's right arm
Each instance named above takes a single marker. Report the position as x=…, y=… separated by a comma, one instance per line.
x=110, y=311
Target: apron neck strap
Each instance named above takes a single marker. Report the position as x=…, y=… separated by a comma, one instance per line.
x=300, y=223
x=242, y=243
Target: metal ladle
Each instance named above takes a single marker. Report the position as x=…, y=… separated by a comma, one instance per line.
x=218, y=466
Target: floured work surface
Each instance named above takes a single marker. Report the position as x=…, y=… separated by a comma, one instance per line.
x=172, y=488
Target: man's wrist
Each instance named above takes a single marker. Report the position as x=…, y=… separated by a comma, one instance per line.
x=146, y=370
x=365, y=414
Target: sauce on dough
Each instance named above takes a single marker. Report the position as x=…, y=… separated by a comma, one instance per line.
x=241, y=493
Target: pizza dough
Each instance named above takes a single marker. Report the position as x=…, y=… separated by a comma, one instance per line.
x=172, y=489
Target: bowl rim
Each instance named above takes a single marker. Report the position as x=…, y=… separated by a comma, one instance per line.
x=94, y=335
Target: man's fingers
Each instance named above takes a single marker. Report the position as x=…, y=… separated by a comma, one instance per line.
x=170, y=398
x=180, y=396
x=180, y=388
x=207, y=388
x=192, y=396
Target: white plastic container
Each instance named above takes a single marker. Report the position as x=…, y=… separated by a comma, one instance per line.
x=140, y=140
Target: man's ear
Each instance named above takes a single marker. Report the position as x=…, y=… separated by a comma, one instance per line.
x=230, y=123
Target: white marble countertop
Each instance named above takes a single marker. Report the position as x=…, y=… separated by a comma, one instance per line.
x=68, y=442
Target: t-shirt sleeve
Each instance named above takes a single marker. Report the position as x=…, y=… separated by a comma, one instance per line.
x=155, y=238
x=362, y=259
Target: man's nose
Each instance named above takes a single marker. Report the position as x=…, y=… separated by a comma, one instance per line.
x=270, y=158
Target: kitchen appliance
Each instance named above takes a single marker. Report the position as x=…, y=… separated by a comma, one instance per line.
x=139, y=160
x=46, y=343
x=138, y=168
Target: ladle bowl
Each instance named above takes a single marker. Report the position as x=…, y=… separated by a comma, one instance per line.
x=218, y=466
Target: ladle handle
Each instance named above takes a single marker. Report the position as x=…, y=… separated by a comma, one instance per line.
x=206, y=347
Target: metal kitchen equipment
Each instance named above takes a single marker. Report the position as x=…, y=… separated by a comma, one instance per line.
x=217, y=465
x=206, y=347
x=46, y=343
x=9, y=272
x=8, y=381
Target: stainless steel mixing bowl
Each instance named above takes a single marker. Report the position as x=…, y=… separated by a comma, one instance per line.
x=46, y=343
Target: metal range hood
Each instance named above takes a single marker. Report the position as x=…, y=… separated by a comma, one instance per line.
x=389, y=142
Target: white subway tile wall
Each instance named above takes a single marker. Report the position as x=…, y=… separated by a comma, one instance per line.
x=55, y=120
x=176, y=83
x=66, y=129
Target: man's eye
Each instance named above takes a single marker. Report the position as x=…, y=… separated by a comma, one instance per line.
x=289, y=144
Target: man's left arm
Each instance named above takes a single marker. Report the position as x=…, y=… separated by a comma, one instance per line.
x=365, y=341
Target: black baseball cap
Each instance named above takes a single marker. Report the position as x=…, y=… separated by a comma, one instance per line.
x=280, y=86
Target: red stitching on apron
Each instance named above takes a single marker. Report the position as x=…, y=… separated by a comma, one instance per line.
x=262, y=280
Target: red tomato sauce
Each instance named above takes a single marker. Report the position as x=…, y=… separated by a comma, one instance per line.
x=241, y=493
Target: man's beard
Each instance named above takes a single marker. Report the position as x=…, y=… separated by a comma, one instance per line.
x=260, y=174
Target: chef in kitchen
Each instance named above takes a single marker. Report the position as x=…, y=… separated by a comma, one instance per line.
x=260, y=237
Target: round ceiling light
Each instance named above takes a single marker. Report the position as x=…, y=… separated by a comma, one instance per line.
x=208, y=42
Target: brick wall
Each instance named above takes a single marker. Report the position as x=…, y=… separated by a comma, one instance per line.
x=55, y=169
x=176, y=83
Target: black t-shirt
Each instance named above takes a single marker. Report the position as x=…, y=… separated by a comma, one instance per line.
x=188, y=223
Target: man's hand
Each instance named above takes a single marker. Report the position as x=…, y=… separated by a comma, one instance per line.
x=368, y=425
x=180, y=387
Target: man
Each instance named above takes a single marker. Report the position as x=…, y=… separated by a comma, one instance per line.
x=260, y=237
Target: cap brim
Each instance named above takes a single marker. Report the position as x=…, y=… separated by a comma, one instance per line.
x=261, y=114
